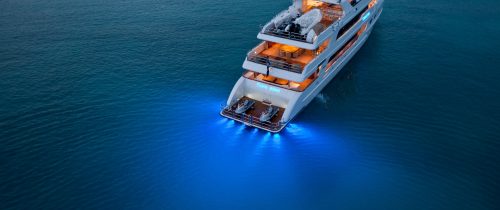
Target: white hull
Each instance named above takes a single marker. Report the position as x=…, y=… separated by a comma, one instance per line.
x=307, y=96
x=294, y=101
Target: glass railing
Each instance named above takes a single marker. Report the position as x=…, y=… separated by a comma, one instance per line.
x=282, y=83
x=288, y=58
x=275, y=62
x=286, y=35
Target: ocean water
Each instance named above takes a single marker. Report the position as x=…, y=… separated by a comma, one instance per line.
x=114, y=105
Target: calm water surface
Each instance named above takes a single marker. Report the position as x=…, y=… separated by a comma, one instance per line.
x=114, y=105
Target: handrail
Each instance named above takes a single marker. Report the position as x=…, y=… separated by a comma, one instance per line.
x=288, y=35
x=252, y=120
x=299, y=37
x=296, y=68
x=254, y=50
x=287, y=87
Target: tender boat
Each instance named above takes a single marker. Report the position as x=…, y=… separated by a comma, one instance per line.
x=244, y=106
x=302, y=50
x=268, y=113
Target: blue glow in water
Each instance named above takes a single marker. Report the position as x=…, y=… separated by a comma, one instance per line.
x=107, y=101
x=298, y=130
x=230, y=124
x=223, y=120
x=277, y=139
x=267, y=136
x=255, y=130
x=240, y=129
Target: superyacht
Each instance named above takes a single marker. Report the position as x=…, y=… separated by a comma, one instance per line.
x=302, y=50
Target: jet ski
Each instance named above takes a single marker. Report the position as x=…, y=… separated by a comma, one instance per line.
x=268, y=113
x=244, y=106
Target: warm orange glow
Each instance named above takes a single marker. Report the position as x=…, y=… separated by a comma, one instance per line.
x=309, y=4
x=269, y=78
x=294, y=85
x=314, y=3
x=288, y=48
x=363, y=28
x=285, y=54
x=323, y=46
x=282, y=83
x=372, y=3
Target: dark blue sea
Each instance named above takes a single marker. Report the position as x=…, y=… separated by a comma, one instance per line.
x=115, y=105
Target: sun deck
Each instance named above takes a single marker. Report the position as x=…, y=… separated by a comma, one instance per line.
x=280, y=25
x=251, y=116
x=280, y=32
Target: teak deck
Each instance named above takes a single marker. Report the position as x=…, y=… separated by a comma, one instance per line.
x=252, y=115
x=273, y=52
x=258, y=108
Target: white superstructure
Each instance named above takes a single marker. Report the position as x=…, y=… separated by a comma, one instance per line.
x=303, y=48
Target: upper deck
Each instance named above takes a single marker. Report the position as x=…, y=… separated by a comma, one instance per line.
x=303, y=23
x=295, y=59
x=284, y=57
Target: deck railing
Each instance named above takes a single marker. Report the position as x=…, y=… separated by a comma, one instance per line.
x=287, y=35
x=251, y=120
x=272, y=62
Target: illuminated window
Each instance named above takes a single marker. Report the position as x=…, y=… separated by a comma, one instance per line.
x=351, y=23
x=278, y=82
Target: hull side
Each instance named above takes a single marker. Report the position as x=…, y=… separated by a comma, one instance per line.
x=293, y=102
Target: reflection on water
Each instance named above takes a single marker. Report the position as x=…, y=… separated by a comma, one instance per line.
x=115, y=105
x=295, y=134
